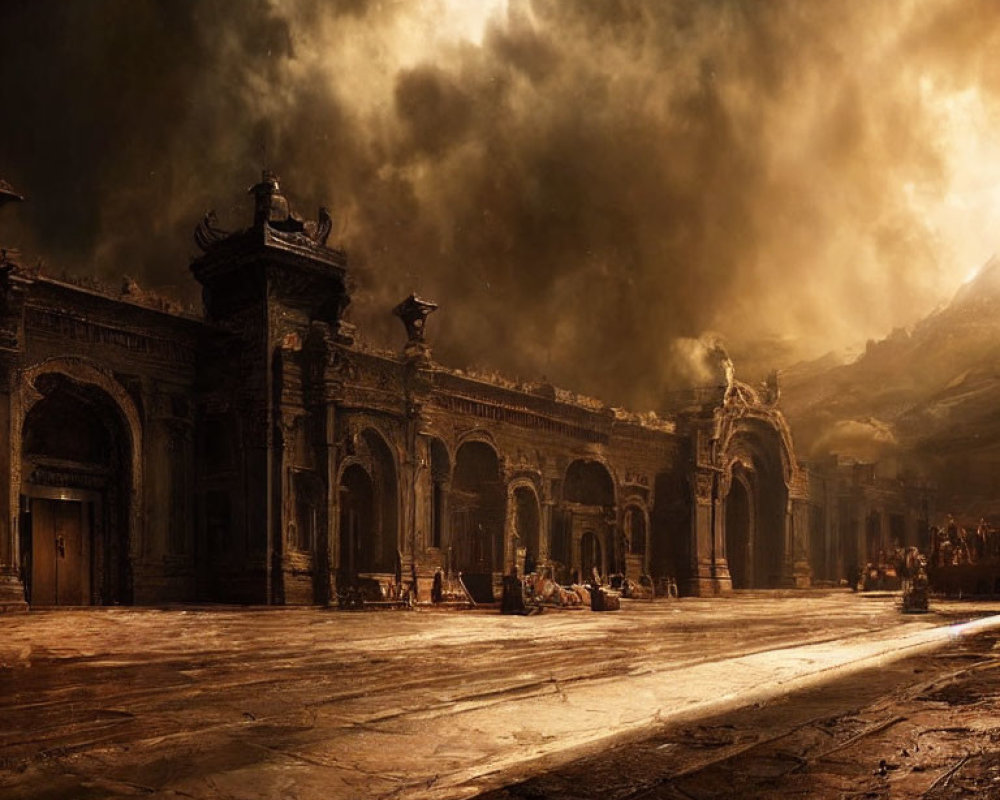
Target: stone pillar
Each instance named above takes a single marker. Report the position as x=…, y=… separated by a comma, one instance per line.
x=647, y=555
x=282, y=510
x=510, y=535
x=409, y=523
x=444, y=521
x=616, y=551
x=701, y=580
x=11, y=584
x=797, y=572
x=422, y=499
x=422, y=563
x=321, y=387
x=14, y=286
x=328, y=513
x=545, y=512
x=722, y=581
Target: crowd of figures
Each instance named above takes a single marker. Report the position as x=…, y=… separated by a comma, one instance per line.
x=905, y=568
x=949, y=545
x=890, y=569
x=952, y=544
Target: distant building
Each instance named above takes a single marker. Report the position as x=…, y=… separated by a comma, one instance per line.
x=862, y=512
x=258, y=453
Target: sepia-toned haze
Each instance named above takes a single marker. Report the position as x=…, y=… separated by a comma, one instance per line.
x=591, y=190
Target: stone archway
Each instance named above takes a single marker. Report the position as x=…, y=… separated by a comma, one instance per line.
x=368, y=529
x=740, y=530
x=589, y=506
x=357, y=522
x=77, y=445
x=635, y=527
x=755, y=507
x=477, y=518
x=524, y=516
x=670, y=528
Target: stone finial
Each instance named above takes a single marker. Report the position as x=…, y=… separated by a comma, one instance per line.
x=269, y=205
x=414, y=312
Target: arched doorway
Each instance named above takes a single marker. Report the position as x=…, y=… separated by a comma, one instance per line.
x=477, y=518
x=526, y=527
x=591, y=556
x=369, y=518
x=357, y=518
x=671, y=534
x=739, y=532
x=756, y=507
x=386, y=488
x=634, y=526
x=440, y=482
x=589, y=502
x=76, y=459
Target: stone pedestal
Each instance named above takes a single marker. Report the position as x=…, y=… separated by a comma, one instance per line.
x=722, y=581
x=702, y=581
x=11, y=594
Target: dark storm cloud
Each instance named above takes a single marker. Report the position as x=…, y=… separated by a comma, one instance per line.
x=588, y=191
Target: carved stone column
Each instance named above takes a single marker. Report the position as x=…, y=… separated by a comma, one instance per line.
x=797, y=572
x=510, y=538
x=421, y=564
x=324, y=554
x=322, y=387
x=702, y=579
x=282, y=512
x=546, y=515
x=14, y=287
x=11, y=584
x=722, y=580
x=444, y=521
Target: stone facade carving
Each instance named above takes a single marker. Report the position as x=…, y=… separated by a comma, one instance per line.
x=301, y=462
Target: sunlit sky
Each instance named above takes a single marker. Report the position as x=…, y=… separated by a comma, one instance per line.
x=589, y=183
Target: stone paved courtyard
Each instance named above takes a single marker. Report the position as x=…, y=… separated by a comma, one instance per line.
x=304, y=703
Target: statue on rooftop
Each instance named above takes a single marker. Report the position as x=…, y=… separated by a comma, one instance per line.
x=271, y=208
x=270, y=205
x=413, y=311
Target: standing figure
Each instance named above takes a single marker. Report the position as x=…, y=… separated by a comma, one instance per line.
x=980, y=541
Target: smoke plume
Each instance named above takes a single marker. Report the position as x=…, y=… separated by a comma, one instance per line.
x=585, y=188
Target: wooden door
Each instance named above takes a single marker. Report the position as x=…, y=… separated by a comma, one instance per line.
x=60, y=553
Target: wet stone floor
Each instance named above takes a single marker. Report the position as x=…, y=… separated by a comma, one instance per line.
x=924, y=727
x=648, y=702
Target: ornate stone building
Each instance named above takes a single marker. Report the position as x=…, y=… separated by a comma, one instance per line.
x=259, y=453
